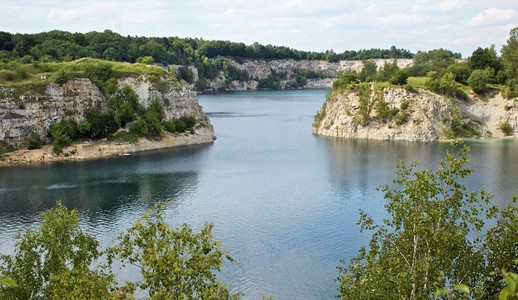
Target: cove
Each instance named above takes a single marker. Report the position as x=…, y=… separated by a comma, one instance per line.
x=284, y=201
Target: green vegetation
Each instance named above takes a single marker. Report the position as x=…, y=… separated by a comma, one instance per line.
x=425, y=248
x=506, y=128
x=58, y=260
x=124, y=111
x=273, y=81
x=6, y=147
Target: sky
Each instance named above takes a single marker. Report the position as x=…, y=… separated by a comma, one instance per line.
x=309, y=25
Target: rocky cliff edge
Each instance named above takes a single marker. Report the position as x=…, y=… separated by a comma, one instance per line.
x=395, y=113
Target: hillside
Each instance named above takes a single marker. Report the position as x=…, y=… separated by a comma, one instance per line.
x=105, y=103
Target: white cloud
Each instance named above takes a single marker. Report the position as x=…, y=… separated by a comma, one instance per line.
x=448, y=5
x=399, y=18
x=493, y=16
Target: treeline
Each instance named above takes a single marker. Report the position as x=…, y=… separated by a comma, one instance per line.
x=444, y=73
x=59, y=45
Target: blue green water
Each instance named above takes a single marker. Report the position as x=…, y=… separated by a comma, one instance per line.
x=283, y=201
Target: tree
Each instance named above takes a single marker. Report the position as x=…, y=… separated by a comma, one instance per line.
x=174, y=263
x=484, y=58
x=369, y=71
x=510, y=55
x=400, y=77
x=53, y=261
x=430, y=214
x=479, y=79
x=501, y=248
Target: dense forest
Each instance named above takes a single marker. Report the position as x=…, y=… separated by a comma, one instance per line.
x=59, y=45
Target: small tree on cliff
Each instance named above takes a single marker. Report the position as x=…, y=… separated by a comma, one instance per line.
x=424, y=238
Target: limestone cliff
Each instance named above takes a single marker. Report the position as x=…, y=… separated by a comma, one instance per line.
x=21, y=114
x=395, y=113
x=318, y=73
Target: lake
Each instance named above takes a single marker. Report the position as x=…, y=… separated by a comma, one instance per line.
x=283, y=201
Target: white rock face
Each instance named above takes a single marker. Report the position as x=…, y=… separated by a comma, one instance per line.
x=260, y=68
x=25, y=114
x=428, y=116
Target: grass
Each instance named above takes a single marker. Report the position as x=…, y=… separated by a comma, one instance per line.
x=418, y=82
x=18, y=75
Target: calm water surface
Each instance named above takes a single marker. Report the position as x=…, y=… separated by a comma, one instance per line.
x=283, y=201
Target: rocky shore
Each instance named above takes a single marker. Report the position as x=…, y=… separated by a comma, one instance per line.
x=104, y=149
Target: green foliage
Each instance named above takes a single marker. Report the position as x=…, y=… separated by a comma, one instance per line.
x=483, y=58
x=62, y=77
x=102, y=124
x=63, y=133
x=385, y=113
x=184, y=73
x=7, y=281
x=232, y=73
x=124, y=137
x=436, y=60
x=506, y=128
x=125, y=105
x=400, y=77
x=460, y=71
x=479, y=79
x=34, y=141
x=501, y=249
x=369, y=71
x=425, y=237
x=148, y=60
x=510, y=55
x=174, y=263
x=458, y=127
x=6, y=147
x=272, y=81
x=346, y=80
x=54, y=261
x=388, y=71
x=364, y=93
x=444, y=85
x=511, y=89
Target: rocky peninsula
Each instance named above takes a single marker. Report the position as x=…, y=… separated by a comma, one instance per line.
x=30, y=111
x=396, y=113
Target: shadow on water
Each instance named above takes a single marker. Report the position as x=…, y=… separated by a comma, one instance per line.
x=107, y=191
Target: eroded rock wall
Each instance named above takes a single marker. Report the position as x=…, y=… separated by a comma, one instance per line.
x=261, y=68
x=421, y=116
x=22, y=114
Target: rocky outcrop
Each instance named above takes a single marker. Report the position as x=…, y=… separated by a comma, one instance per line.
x=399, y=114
x=319, y=73
x=22, y=114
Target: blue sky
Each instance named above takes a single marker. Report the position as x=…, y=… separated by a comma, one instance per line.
x=311, y=25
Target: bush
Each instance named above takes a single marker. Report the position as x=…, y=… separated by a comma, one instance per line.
x=148, y=60
x=34, y=141
x=479, y=79
x=345, y=80
x=400, y=77
x=6, y=147
x=506, y=128
x=169, y=126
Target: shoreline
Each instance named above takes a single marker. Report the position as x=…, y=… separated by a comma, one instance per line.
x=102, y=149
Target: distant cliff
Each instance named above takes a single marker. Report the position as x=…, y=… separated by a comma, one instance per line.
x=279, y=73
x=395, y=113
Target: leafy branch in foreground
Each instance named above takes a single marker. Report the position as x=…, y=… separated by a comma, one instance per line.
x=430, y=241
x=56, y=261
x=174, y=263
